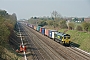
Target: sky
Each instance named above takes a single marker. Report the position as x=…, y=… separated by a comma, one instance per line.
x=26, y=9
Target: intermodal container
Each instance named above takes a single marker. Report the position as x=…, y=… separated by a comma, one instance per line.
x=43, y=31
x=28, y=24
x=34, y=27
x=51, y=33
x=38, y=28
x=47, y=32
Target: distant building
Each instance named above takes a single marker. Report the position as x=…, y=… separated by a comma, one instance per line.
x=78, y=20
x=87, y=19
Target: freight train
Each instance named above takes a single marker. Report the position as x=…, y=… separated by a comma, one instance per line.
x=62, y=38
x=59, y=37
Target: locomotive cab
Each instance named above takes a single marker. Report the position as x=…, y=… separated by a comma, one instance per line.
x=66, y=39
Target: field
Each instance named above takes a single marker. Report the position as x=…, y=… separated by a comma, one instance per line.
x=79, y=39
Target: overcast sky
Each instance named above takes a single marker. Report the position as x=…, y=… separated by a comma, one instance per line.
x=28, y=8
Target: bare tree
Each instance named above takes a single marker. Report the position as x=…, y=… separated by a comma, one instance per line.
x=55, y=15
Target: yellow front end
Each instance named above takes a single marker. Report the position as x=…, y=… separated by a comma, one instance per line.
x=66, y=41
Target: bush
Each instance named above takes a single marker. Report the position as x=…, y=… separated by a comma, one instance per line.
x=85, y=26
x=89, y=29
x=71, y=26
x=79, y=28
x=50, y=22
x=42, y=23
x=63, y=24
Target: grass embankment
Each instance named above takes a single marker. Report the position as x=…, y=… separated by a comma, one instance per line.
x=80, y=39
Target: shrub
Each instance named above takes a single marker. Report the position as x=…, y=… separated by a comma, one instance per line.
x=79, y=28
x=71, y=26
x=85, y=26
x=63, y=24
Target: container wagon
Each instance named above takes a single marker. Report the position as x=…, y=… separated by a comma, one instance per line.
x=43, y=31
x=38, y=28
x=51, y=33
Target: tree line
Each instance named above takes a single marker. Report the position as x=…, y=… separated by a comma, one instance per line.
x=57, y=21
x=7, y=24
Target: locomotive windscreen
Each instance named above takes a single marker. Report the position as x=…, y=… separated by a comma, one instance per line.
x=66, y=36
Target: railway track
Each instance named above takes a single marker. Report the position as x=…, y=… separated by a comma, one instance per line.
x=60, y=53
x=48, y=50
x=50, y=54
x=66, y=53
x=75, y=56
x=36, y=55
x=79, y=53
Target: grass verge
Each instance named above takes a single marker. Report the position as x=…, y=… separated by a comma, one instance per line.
x=82, y=39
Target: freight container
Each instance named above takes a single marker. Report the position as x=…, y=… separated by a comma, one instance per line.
x=43, y=31
x=28, y=25
x=47, y=32
x=51, y=33
x=34, y=27
x=38, y=28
